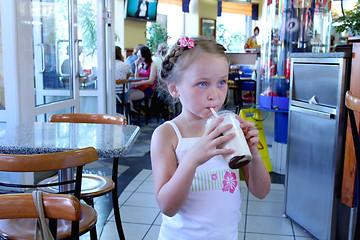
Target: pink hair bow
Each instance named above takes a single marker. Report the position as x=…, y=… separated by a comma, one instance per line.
x=186, y=42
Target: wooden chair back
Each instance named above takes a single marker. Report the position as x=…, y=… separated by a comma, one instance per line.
x=352, y=102
x=88, y=118
x=56, y=206
x=47, y=162
x=122, y=81
x=353, y=105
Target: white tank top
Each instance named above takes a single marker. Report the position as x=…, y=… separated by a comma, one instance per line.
x=212, y=210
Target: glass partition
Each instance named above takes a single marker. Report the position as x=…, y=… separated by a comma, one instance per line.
x=87, y=32
x=2, y=87
x=52, y=65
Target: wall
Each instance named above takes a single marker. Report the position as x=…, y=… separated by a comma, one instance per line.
x=130, y=32
x=134, y=33
x=207, y=9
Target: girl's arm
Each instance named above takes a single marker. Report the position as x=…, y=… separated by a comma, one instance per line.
x=137, y=62
x=150, y=80
x=172, y=180
x=256, y=176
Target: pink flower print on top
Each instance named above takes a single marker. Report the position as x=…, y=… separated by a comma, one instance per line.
x=229, y=182
x=214, y=176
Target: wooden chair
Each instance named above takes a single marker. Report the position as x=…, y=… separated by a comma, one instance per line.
x=95, y=185
x=124, y=104
x=24, y=228
x=56, y=206
x=353, y=105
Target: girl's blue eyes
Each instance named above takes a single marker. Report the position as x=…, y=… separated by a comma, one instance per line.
x=222, y=83
x=204, y=84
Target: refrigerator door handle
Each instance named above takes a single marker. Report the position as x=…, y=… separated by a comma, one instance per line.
x=312, y=112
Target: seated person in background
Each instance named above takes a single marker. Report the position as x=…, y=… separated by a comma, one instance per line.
x=65, y=68
x=131, y=59
x=122, y=70
x=160, y=54
x=145, y=67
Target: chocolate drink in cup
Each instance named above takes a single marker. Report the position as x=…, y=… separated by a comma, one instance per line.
x=241, y=155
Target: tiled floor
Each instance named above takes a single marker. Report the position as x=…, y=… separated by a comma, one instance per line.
x=140, y=214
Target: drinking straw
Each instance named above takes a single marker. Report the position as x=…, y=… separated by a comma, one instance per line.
x=213, y=112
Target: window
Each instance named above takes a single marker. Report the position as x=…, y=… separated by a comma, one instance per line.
x=232, y=36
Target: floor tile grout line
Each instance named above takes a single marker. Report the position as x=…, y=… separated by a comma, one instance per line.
x=246, y=216
x=152, y=224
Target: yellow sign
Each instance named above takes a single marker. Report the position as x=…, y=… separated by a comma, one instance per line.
x=254, y=115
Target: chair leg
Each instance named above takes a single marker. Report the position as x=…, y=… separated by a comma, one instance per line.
x=116, y=201
x=89, y=201
x=127, y=113
x=93, y=234
x=147, y=110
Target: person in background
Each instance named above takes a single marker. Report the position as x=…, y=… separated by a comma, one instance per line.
x=197, y=192
x=131, y=59
x=162, y=104
x=251, y=42
x=122, y=71
x=145, y=68
x=142, y=10
x=159, y=56
x=65, y=68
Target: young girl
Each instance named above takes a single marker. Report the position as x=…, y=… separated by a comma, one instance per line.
x=196, y=190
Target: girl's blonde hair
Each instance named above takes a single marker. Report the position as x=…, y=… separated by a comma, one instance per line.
x=179, y=58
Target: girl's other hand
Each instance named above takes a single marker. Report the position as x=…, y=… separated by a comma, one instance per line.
x=206, y=147
x=250, y=132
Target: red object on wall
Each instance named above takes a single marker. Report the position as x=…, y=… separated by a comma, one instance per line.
x=269, y=69
x=287, y=67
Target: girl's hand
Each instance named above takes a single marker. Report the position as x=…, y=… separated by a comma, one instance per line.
x=137, y=62
x=206, y=147
x=251, y=134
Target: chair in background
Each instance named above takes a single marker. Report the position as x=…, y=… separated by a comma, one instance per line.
x=25, y=228
x=241, y=76
x=248, y=84
x=353, y=105
x=56, y=206
x=95, y=185
x=148, y=101
x=123, y=102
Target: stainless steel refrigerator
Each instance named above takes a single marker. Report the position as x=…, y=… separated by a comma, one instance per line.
x=315, y=147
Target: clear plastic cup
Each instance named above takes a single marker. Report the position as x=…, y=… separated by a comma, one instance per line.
x=241, y=155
